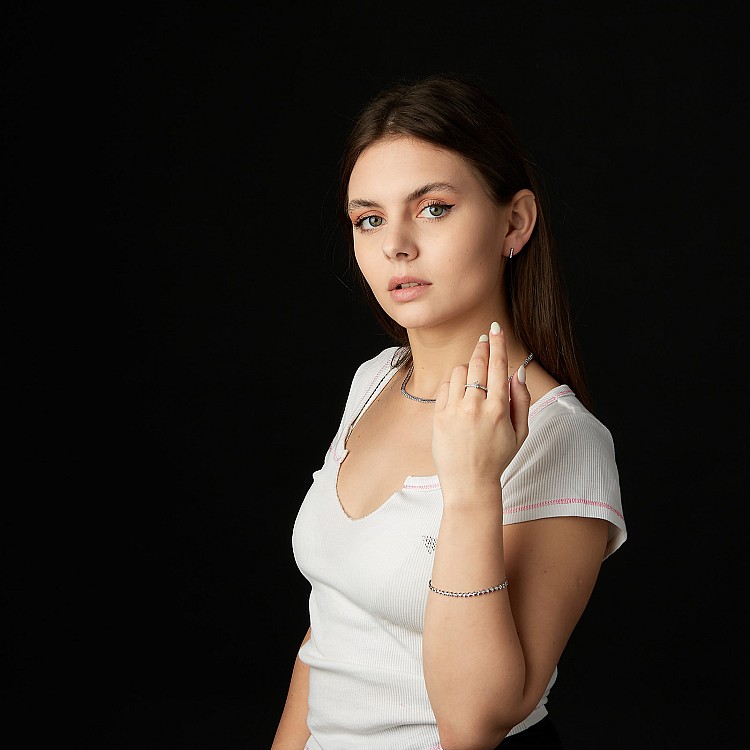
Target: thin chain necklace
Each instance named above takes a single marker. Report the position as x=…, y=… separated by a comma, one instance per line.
x=432, y=400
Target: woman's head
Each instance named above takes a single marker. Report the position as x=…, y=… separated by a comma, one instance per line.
x=456, y=114
x=451, y=113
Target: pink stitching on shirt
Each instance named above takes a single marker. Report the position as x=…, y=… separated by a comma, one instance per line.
x=433, y=486
x=550, y=400
x=566, y=501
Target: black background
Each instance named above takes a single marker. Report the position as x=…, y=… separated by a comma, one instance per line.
x=182, y=348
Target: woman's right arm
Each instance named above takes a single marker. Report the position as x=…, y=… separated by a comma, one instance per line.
x=292, y=732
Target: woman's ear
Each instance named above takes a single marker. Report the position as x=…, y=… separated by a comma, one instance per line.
x=521, y=222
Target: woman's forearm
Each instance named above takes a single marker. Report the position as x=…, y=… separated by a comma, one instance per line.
x=473, y=661
x=292, y=732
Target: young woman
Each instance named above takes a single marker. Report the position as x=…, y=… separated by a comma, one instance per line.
x=455, y=530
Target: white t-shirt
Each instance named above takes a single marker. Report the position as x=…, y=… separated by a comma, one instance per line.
x=369, y=575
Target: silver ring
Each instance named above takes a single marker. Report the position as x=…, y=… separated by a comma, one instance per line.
x=475, y=384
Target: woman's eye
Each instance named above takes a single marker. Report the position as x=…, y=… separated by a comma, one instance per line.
x=436, y=210
x=369, y=222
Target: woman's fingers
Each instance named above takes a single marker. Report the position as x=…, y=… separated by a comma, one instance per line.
x=477, y=432
x=477, y=372
x=488, y=367
x=497, y=371
x=453, y=390
x=457, y=383
x=441, y=397
x=520, y=400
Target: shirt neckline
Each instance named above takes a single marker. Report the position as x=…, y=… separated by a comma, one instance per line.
x=416, y=481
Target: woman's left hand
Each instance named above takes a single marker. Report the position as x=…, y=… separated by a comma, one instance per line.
x=475, y=433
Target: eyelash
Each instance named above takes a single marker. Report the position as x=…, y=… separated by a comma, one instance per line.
x=358, y=224
x=446, y=206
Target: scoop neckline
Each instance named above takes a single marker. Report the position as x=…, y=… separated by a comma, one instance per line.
x=423, y=481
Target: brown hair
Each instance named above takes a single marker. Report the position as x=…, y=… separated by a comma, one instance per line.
x=459, y=115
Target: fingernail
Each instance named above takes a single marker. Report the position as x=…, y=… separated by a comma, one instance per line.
x=484, y=337
x=521, y=374
x=495, y=328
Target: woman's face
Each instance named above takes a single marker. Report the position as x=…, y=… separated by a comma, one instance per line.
x=427, y=237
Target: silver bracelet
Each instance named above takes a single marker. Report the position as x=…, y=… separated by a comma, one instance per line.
x=503, y=585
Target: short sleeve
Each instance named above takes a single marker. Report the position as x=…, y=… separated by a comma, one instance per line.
x=566, y=467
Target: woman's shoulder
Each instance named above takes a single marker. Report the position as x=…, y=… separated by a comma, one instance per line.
x=567, y=466
x=369, y=372
x=561, y=410
x=560, y=399
x=381, y=362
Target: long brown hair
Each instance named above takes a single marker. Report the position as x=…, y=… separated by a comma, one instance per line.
x=457, y=114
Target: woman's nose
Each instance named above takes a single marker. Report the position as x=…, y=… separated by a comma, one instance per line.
x=399, y=242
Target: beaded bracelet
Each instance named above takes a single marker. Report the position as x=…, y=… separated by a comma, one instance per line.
x=503, y=585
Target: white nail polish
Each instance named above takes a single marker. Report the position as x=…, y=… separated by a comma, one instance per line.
x=495, y=328
x=521, y=374
x=484, y=337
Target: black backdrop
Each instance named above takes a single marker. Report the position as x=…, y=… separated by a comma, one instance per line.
x=227, y=330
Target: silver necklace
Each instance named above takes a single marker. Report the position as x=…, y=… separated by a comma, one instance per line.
x=432, y=400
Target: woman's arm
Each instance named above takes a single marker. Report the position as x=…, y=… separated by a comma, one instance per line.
x=489, y=658
x=292, y=732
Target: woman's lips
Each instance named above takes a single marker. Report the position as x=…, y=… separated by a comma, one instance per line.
x=405, y=290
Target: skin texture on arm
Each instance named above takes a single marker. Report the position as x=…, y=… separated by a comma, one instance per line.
x=292, y=732
x=488, y=659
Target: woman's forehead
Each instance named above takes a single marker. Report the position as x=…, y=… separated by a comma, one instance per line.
x=403, y=162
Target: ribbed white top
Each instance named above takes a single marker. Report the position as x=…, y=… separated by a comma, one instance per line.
x=369, y=575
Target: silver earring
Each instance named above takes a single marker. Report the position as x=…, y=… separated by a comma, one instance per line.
x=510, y=257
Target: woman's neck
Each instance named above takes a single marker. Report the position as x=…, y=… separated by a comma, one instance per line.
x=435, y=353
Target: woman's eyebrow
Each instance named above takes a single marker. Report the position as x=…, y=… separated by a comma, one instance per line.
x=414, y=195
x=360, y=203
x=430, y=187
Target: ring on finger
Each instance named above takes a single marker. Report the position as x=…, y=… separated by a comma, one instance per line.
x=475, y=384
